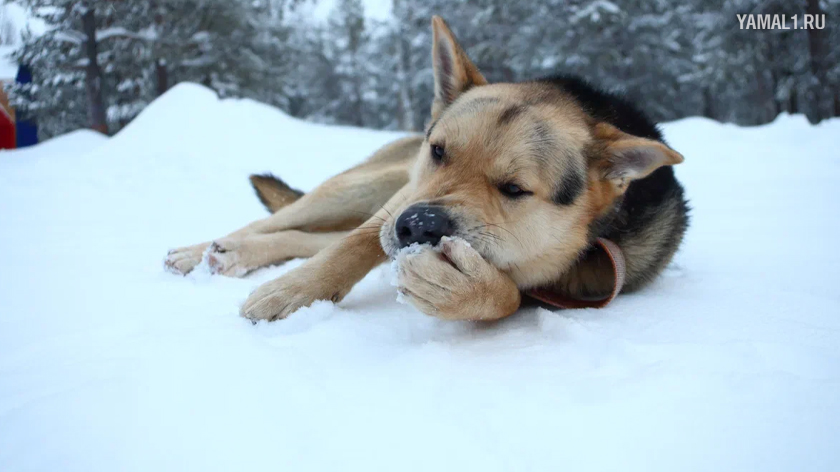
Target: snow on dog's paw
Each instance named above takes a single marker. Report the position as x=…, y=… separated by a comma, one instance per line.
x=410, y=250
x=453, y=281
x=413, y=248
x=223, y=258
x=183, y=260
x=237, y=256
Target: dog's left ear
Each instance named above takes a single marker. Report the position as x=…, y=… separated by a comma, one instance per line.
x=623, y=157
x=454, y=71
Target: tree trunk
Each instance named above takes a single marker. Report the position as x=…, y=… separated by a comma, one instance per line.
x=93, y=76
x=405, y=72
x=837, y=103
x=161, y=77
x=708, y=106
x=358, y=105
x=358, y=118
x=776, y=104
x=818, y=52
x=161, y=72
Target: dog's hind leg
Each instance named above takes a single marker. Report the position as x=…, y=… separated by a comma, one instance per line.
x=272, y=192
x=346, y=200
x=237, y=256
x=339, y=204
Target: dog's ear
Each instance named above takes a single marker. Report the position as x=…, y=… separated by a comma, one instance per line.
x=454, y=71
x=622, y=157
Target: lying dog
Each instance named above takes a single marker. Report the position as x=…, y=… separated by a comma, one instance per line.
x=525, y=177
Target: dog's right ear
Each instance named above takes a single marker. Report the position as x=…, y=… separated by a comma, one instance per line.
x=454, y=71
x=623, y=158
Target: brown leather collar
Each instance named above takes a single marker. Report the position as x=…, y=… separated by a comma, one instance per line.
x=619, y=273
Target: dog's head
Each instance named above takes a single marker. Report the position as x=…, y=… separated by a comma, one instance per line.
x=520, y=171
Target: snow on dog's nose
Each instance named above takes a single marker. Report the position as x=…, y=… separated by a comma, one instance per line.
x=423, y=224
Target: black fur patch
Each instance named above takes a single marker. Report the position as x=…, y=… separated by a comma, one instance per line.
x=654, y=202
x=510, y=114
x=606, y=106
x=542, y=142
x=569, y=188
x=431, y=127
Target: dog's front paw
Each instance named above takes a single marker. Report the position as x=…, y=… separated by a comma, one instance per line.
x=184, y=259
x=281, y=297
x=456, y=284
x=231, y=257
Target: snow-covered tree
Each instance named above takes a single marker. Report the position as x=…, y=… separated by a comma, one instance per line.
x=673, y=59
x=108, y=59
x=68, y=86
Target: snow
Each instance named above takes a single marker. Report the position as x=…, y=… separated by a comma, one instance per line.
x=594, y=10
x=22, y=19
x=399, y=259
x=119, y=31
x=730, y=361
x=72, y=37
x=8, y=68
x=378, y=10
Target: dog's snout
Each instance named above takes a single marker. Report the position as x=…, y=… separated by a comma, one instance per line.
x=423, y=224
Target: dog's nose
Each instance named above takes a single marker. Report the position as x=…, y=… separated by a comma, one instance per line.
x=423, y=224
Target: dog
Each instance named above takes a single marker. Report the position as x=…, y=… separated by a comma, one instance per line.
x=507, y=190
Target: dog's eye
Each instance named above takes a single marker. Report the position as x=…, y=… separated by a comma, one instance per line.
x=437, y=152
x=513, y=191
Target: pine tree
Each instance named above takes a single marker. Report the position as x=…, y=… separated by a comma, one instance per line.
x=67, y=91
x=347, y=27
x=673, y=59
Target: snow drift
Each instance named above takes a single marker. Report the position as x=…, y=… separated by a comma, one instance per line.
x=730, y=361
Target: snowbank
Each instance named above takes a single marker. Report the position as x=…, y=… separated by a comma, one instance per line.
x=731, y=361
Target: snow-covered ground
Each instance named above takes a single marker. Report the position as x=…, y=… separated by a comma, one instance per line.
x=731, y=361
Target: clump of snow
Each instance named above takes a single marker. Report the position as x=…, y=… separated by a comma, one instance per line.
x=202, y=271
x=399, y=259
x=410, y=250
x=729, y=361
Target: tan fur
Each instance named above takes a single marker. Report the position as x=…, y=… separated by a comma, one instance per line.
x=237, y=256
x=492, y=135
x=329, y=275
x=340, y=204
x=457, y=284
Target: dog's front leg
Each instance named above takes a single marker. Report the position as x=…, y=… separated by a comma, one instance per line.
x=457, y=284
x=329, y=275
